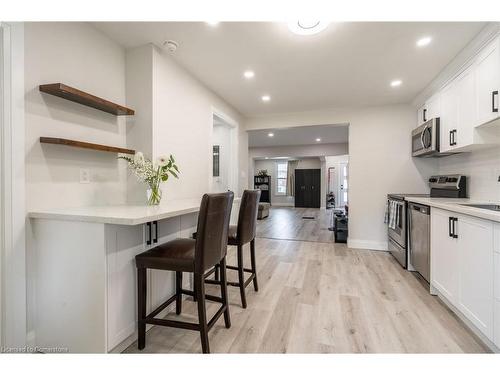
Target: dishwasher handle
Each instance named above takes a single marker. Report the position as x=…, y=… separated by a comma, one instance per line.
x=426, y=210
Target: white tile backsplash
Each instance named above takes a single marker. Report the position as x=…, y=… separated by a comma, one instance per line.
x=482, y=168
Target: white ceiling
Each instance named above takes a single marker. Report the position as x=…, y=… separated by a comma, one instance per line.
x=303, y=135
x=348, y=64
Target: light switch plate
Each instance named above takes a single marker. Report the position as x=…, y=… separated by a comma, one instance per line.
x=84, y=176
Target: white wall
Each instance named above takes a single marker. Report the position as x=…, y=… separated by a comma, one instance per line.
x=270, y=165
x=482, y=168
x=80, y=56
x=181, y=122
x=380, y=161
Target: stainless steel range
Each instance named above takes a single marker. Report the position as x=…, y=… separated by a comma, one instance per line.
x=398, y=216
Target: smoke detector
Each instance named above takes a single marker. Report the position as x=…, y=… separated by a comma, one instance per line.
x=171, y=45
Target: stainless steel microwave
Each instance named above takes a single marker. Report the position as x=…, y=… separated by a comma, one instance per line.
x=425, y=139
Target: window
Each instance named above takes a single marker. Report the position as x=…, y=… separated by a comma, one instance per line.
x=281, y=177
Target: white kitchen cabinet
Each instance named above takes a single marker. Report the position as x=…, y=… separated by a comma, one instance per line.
x=421, y=115
x=462, y=267
x=444, y=255
x=449, y=116
x=487, y=69
x=433, y=107
x=475, y=273
x=466, y=93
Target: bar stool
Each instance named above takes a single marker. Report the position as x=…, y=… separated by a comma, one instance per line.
x=239, y=235
x=195, y=256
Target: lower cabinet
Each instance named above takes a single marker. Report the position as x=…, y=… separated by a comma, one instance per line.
x=462, y=267
x=123, y=243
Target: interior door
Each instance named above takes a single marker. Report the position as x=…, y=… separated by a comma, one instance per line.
x=299, y=187
x=316, y=188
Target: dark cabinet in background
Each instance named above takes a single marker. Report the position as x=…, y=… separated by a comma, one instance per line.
x=308, y=188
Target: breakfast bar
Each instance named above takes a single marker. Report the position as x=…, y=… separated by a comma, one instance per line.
x=83, y=270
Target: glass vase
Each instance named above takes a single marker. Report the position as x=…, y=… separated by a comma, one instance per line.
x=154, y=195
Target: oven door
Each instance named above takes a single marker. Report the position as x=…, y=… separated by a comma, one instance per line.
x=425, y=139
x=398, y=234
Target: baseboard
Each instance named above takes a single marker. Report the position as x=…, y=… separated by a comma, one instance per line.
x=364, y=244
x=282, y=205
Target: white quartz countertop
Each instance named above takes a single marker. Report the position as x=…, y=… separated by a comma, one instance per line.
x=123, y=215
x=457, y=205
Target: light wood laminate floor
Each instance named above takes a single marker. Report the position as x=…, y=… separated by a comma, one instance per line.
x=324, y=298
x=287, y=223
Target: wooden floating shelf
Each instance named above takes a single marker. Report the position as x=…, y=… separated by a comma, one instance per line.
x=66, y=92
x=89, y=146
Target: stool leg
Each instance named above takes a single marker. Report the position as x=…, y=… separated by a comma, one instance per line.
x=202, y=313
x=241, y=277
x=217, y=273
x=141, y=307
x=254, y=268
x=223, y=291
x=178, y=294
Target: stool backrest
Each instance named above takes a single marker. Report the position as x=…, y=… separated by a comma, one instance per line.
x=247, y=218
x=211, y=235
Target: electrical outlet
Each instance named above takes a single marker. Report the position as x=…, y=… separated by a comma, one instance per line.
x=84, y=176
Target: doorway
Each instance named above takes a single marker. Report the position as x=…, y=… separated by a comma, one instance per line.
x=224, y=155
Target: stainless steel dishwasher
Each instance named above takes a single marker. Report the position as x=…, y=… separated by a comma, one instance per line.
x=420, y=238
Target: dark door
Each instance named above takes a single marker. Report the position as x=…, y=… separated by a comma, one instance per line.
x=308, y=188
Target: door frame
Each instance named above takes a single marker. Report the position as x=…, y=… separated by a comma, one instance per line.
x=13, y=320
x=234, y=159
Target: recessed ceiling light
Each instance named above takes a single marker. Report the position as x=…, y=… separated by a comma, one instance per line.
x=307, y=26
x=213, y=23
x=318, y=139
x=422, y=42
x=396, y=83
x=270, y=135
x=248, y=74
x=265, y=98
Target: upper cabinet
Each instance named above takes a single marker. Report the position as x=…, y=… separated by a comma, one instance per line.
x=467, y=102
x=488, y=83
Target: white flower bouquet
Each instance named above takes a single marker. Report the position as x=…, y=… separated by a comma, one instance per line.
x=152, y=173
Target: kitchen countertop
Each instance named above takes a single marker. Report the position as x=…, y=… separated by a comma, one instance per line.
x=456, y=205
x=122, y=214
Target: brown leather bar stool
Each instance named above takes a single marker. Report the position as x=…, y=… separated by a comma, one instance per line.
x=189, y=255
x=239, y=235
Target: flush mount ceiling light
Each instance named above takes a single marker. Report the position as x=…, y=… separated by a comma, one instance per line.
x=318, y=139
x=307, y=26
x=396, y=83
x=422, y=42
x=248, y=74
x=265, y=98
x=270, y=135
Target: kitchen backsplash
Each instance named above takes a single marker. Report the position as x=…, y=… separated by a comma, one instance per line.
x=482, y=168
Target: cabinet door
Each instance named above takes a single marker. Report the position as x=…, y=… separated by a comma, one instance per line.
x=421, y=115
x=466, y=91
x=488, y=83
x=444, y=255
x=123, y=243
x=433, y=107
x=449, y=116
x=475, y=280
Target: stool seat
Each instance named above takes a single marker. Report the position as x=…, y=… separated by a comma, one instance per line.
x=176, y=255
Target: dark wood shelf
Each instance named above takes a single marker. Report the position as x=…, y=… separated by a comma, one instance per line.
x=75, y=95
x=89, y=146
